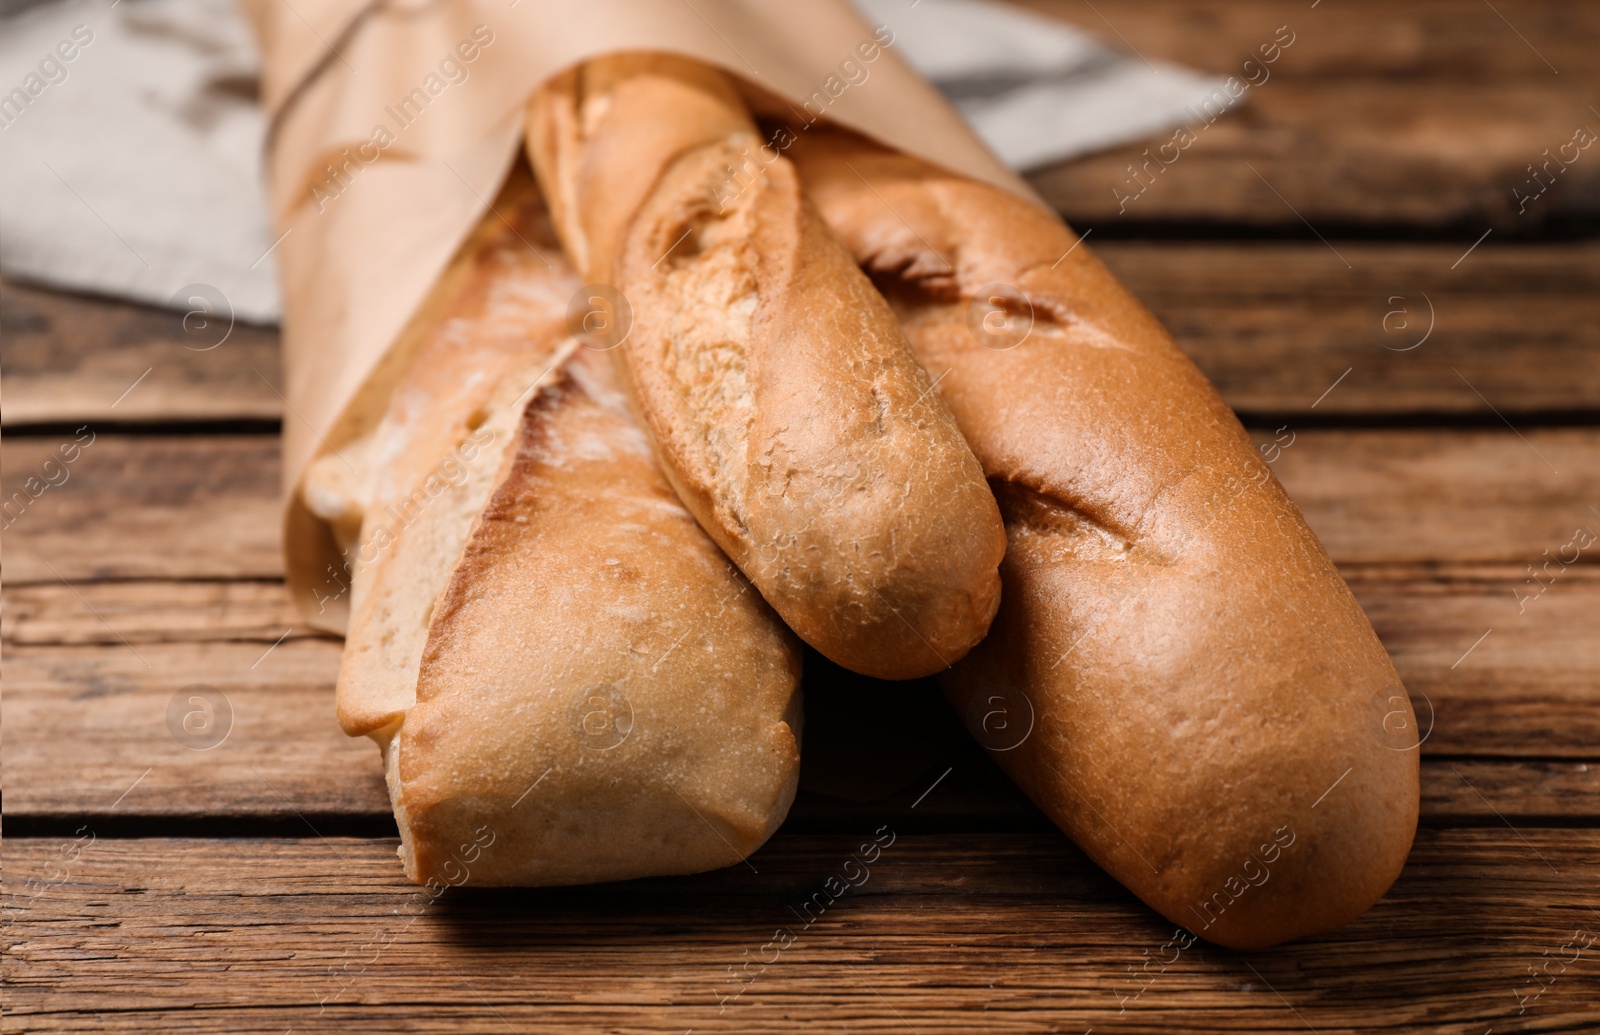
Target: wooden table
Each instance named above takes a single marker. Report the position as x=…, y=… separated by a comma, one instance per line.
x=253, y=887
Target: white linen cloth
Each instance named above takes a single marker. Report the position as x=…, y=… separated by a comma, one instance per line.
x=132, y=167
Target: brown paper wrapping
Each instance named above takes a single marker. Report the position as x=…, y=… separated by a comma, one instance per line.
x=359, y=250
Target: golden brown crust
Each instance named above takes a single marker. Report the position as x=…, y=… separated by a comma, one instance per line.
x=780, y=393
x=429, y=467
x=1177, y=675
x=601, y=690
x=596, y=177
x=568, y=680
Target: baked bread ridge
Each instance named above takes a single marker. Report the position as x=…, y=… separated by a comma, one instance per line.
x=403, y=498
x=779, y=391
x=569, y=683
x=639, y=691
x=1177, y=675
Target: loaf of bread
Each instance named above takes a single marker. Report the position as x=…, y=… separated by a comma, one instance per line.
x=783, y=401
x=568, y=681
x=1177, y=675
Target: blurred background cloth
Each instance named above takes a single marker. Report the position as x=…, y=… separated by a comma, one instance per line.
x=133, y=167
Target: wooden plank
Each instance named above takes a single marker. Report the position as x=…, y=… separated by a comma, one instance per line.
x=83, y=723
x=90, y=673
x=1273, y=325
x=975, y=795
x=1501, y=676
x=1451, y=40
x=1504, y=666
x=1495, y=791
x=174, y=507
x=155, y=507
x=1424, y=114
x=1481, y=497
x=73, y=358
x=1006, y=933
x=53, y=614
x=1340, y=156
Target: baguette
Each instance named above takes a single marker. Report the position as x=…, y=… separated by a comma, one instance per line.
x=567, y=680
x=782, y=398
x=1177, y=675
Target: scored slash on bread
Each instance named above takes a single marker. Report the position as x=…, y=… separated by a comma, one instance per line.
x=571, y=683
x=783, y=401
x=567, y=679
x=1177, y=674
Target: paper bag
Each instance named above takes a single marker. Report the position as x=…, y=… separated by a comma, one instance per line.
x=393, y=125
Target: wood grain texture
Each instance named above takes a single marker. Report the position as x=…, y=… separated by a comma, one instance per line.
x=91, y=671
x=83, y=723
x=109, y=613
x=1505, y=496
x=1445, y=40
x=155, y=567
x=1496, y=792
x=1435, y=530
x=175, y=507
x=1423, y=114
x=1273, y=325
x=74, y=358
x=142, y=507
x=1500, y=675
x=1003, y=933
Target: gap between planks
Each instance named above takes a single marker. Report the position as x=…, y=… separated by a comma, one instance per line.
x=1273, y=325
x=170, y=507
x=1004, y=933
